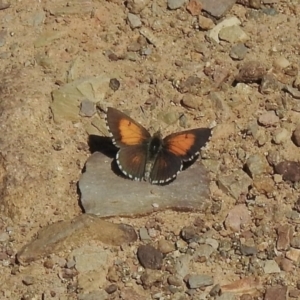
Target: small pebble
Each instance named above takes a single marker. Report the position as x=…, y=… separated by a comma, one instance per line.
x=134, y=20
x=238, y=51
x=114, y=84
x=251, y=71
x=87, y=108
x=280, y=135
x=268, y=118
x=290, y=170
x=165, y=246
x=149, y=257
x=205, y=23
x=144, y=236
x=175, y=4
x=281, y=63
x=28, y=280
x=200, y=281
x=296, y=136
x=111, y=288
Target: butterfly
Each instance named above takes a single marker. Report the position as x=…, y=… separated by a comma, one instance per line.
x=152, y=158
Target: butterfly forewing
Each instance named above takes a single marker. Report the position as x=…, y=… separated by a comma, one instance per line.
x=165, y=168
x=132, y=161
x=124, y=130
x=186, y=144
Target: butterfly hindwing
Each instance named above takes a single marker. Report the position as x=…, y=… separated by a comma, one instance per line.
x=131, y=161
x=124, y=130
x=165, y=168
x=186, y=144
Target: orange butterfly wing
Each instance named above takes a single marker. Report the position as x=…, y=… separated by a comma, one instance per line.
x=124, y=130
x=186, y=144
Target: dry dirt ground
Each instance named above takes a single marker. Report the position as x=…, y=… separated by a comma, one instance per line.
x=176, y=69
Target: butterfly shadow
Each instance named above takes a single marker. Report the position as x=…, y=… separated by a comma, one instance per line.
x=105, y=146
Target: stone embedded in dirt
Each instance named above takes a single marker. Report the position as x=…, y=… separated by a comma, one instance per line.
x=295, y=242
x=203, y=250
x=293, y=254
x=248, y=250
x=205, y=23
x=169, y=118
x=290, y=170
x=294, y=293
x=114, y=84
x=3, y=34
x=264, y=185
x=62, y=236
x=87, y=108
x=281, y=63
x=151, y=277
x=233, y=34
x=286, y=265
x=149, y=257
x=136, y=6
x=215, y=291
x=46, y=38
x=175, y=4
x=217, y=8
x=273, y=158
x=165, y=246
x=111, y=289
x=269, y=84
x=251, y=71
x=105, y=193
x=28, y=280
x=73, y=8
x=251, y=3
x=213, y=165
x=276, y=292
x=245, y=285
x=223, y=110
x=134, y=20
x=194, y=7
x=66, y=100
x=214, y=33
x=271, y=266
x=280, y=135
x=94, y=295
x=4, y=236
x=199, y=281
x=191, y=101
x=297, y=205
x=131, y=293
x=293, y=91
x=89, y=258
x=144, y=235
x=174, y=280
x=296, y=136
x=92, y=266
x=256, y=165
x=235, y=184
x=190, y=85
x=285, y=234
x=237, y=217
x=189, y=233
x=4, y=4
x=238, y=51
x=268, y=119
x=150, y=37
x=182, y=265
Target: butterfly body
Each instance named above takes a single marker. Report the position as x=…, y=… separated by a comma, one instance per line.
x=152, y=158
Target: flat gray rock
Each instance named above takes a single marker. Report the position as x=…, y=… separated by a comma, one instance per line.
x=106, y=193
